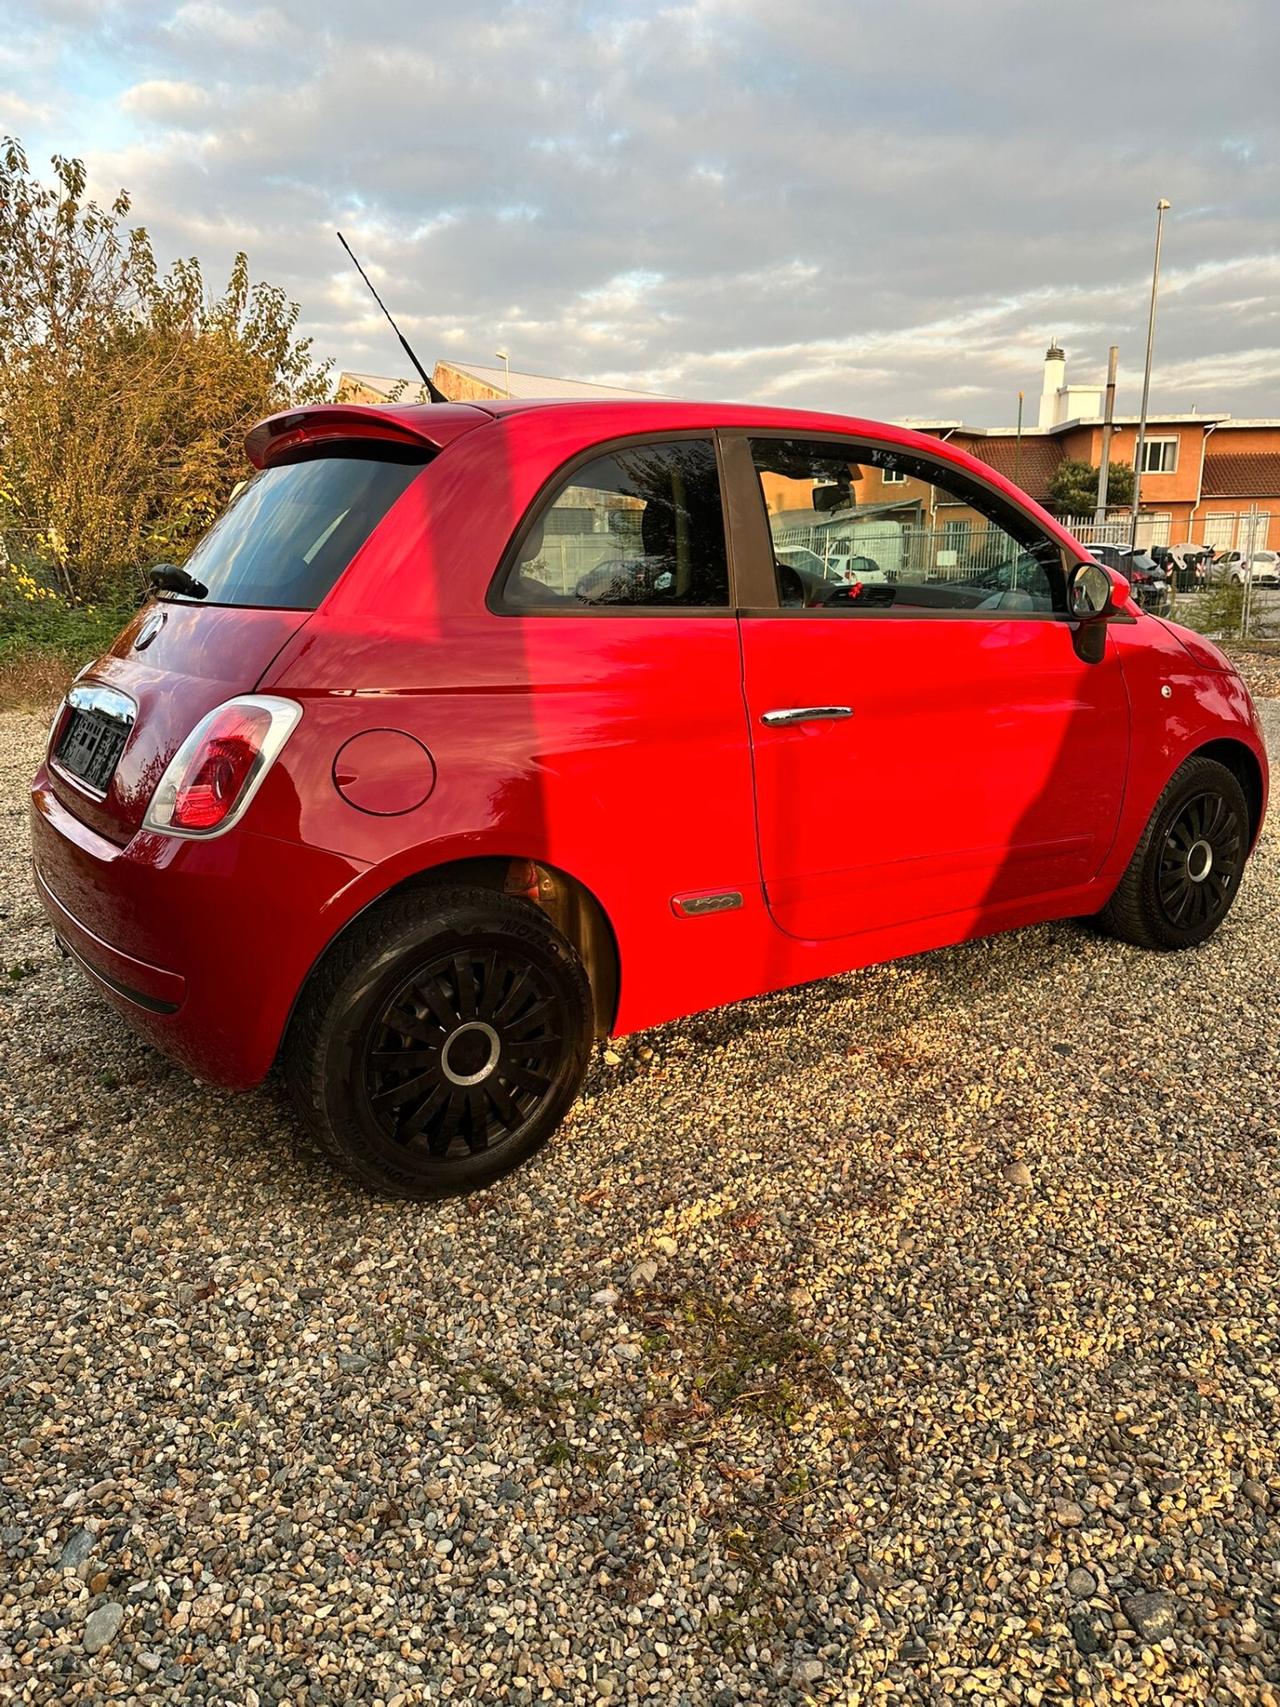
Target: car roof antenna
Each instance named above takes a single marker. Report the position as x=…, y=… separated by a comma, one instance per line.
x=433, y=391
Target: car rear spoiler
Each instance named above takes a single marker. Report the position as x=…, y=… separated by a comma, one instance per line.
x=430, y=425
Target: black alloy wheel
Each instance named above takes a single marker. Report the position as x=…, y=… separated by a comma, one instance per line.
x=1200, y=862
x=466, y=1051
x=1188, y=864
x=440, y=1041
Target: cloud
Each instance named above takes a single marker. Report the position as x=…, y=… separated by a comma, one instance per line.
x=18, y=113
x=879, y=208
x=166, y=101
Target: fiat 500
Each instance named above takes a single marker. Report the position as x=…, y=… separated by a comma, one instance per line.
x=470, y=734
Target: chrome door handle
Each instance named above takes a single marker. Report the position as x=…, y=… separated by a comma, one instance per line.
x=807, y=714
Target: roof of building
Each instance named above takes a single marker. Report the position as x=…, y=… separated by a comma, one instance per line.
x=384, y=385
x=1087, y=421
x=1035, y=460
x=538, y=384
x=1242, y=475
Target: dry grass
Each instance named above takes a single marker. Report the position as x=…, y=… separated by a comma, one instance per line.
x=33, y=681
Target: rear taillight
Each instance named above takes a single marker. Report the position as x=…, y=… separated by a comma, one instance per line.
x=210, y=780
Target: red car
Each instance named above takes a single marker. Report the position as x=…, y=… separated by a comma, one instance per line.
x=470, y=734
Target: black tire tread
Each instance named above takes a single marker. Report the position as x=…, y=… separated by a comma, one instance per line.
x=374, y=932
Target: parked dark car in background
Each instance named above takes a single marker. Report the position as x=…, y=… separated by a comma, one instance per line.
x=1145, y=575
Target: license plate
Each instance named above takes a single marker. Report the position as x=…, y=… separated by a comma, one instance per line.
x=91, y=746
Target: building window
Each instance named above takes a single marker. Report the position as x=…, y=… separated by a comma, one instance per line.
x=890, y=478
x=1153, y=528
x=1160, y=456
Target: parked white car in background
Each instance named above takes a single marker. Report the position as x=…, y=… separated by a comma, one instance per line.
x=1262, y=568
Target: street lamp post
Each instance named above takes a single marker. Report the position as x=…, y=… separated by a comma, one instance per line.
x=505, y=359
x=1162, y=207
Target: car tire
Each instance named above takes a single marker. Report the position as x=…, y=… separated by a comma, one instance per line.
x=440, y=1042
x=1186, y=868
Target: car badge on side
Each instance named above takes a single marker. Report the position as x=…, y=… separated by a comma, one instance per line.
x=150, y=628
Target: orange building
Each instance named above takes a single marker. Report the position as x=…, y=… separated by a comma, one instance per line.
x=1206, y=478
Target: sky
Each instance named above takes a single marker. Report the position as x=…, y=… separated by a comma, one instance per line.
x=884, y=207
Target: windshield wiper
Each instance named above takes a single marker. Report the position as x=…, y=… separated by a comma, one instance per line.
x=169, y=578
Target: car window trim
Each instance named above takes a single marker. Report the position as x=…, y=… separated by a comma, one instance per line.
x=756, y=585
x=546, y=496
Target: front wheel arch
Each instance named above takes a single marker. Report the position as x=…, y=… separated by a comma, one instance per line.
x=1158, y=904
x=1243, y=764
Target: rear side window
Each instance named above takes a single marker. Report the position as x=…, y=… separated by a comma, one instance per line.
x=291, y=530
x=641, y=528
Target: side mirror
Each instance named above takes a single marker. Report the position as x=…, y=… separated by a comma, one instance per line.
x=1095, y=592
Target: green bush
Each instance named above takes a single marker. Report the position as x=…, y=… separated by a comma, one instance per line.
x=1214, y=610
x=36, y=619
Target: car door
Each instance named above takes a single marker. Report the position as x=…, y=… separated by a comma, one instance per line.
x=929, y=744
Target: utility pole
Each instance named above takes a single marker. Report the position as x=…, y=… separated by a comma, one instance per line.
x=1246, y=594
x=1017, y=444
x=1109, y=410
x=1162, y=207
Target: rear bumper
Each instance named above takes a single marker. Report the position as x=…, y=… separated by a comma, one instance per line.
x=202, y=946
x=148, y=987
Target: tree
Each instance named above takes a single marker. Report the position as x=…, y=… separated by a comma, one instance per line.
x=1073, y=490
x=124, y=393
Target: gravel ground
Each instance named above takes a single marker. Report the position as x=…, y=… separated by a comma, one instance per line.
x=907, y=1338
x=1259, y=664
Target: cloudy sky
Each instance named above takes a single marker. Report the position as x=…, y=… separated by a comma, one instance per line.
x=881, y=206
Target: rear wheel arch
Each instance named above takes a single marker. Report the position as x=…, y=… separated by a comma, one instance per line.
x=567, y=902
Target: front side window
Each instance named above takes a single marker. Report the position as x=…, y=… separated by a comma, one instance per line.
x=858, y=527
x=641, y=527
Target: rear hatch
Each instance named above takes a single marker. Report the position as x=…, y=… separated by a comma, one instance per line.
x=256, y=577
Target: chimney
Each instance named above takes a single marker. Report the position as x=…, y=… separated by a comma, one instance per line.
x=1055, y=376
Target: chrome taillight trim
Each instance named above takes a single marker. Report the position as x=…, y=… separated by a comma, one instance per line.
x=284, y=715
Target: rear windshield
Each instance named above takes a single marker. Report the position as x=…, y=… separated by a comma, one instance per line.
x=291, y=530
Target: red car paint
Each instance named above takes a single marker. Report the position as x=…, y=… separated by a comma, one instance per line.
x=991, y=777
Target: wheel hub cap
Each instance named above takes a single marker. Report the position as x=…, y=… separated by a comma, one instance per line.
x=1199, y=861
x=470, y=1053
x=465, y=1050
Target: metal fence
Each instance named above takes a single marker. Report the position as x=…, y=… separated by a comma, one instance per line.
x=1224, y=566
x=900, y=550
